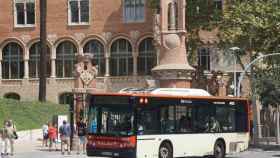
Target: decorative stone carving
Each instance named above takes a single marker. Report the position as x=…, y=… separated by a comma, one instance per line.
x=107, y=36
x=172, y=16
x=86, y=72
x=157, y=33
x=171, y=41
x=52, y=38
x=79, y=36
x=134, y=35
x=25, y=38
x=88, y=75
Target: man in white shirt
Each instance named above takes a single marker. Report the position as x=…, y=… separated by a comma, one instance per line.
x=45, y=129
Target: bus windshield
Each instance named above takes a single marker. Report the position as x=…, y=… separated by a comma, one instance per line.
x=111, y=120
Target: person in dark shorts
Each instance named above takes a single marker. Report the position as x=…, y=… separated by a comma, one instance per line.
x=81, y=129
x=45, y=129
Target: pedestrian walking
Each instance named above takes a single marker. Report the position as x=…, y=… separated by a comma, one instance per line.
x=45, y=129
x=81, y=129
x=56, y=139
x=65, y=133
x=8, y=135
x=52, y=133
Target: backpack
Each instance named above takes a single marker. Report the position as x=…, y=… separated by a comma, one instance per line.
x=64, y=130
x=81, y=129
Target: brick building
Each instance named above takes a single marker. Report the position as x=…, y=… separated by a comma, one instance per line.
x=119, y=33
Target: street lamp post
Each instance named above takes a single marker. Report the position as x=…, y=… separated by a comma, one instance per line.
x=234, y=50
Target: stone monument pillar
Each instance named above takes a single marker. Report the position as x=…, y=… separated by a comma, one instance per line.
x=173, y=69
x=85, y=74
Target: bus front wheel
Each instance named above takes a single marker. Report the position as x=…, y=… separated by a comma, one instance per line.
x=219, y=149
x=165, y=151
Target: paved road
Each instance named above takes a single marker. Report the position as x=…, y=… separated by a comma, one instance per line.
x=257, y=153
x=253, y=153
x=29, y=147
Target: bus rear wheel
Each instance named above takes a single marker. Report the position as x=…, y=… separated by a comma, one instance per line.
x=219, y=150
x=165, y=151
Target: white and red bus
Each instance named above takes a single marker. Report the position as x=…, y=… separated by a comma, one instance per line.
x=158, y=124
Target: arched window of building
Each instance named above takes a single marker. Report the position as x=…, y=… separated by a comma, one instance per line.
x=12, y=64
x=34, y=61
x=147, y=57
x=66, y=98
x=97, y=49
x=121, y=62
x=134, y=10
x=65, y=59
x=14, y=96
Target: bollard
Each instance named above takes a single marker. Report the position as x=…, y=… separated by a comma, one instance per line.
x=31, y=135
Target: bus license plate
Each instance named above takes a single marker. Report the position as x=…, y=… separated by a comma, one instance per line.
x=107, y=153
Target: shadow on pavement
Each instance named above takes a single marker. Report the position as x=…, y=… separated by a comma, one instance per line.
x=266, y=147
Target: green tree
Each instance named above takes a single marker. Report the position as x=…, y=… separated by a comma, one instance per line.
x=270, y=96
x=253, y=26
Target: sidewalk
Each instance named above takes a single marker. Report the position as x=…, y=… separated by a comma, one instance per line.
x=272, y=146
x=28, y=140
x=29, y=145
x=265, y=144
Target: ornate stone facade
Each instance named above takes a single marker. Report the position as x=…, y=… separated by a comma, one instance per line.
x=173, y=69
x=106, y=25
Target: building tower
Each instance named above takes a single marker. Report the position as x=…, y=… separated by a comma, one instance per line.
x=173, y=69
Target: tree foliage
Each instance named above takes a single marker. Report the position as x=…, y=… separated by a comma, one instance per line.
x=251, y=25
x=254, y=26
x=270, y=94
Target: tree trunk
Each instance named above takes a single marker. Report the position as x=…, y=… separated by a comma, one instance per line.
x=277, y=126
x=256, y=119
x=256, y=107
x=43, y=53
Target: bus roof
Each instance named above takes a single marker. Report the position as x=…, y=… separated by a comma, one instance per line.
x=168, y=91
x=168, y=96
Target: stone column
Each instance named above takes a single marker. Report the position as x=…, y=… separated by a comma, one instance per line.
x=0, y=65
x=173, y=69
x=26, y=69
x=0, y=69
x=158, y=55
x=107, y=66
x=135, y=56
x=53, y=68
x=172, y=17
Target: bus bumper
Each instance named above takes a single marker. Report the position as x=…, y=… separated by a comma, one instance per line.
x=124, y=153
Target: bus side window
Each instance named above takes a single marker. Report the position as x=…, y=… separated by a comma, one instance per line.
x=148, y=121
x=183, y=118
x=92, y=121
x=203, y=113
x=167, y=119
x=226, y=116
x=241, y=118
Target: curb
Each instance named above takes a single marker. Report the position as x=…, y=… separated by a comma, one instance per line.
x=272, y=147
